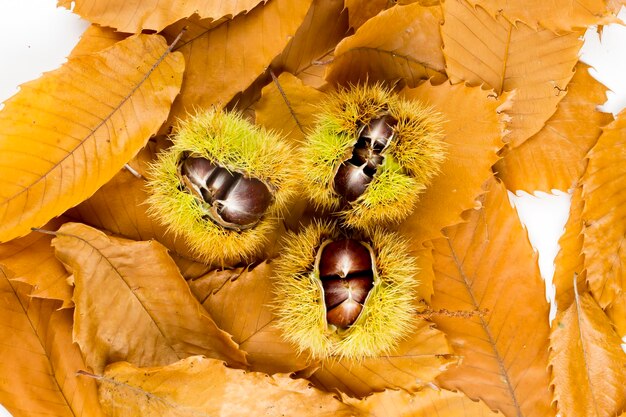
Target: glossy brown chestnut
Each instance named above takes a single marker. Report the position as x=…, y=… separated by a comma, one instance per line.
x=354, y=174
x=238, y=201
x=345, y=268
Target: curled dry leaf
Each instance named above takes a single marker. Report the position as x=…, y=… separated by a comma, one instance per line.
x=408, y=48
x=473, y=134
x=554, y=158
x=251, y=322
x=588, y=364
x=224, y=60
x=488, y=267
x=67, y=133
x=558, y=15
x=604, y=195
x=200, y=386
x=38, y=361
x=424, y=403
x=32, y=260
x=133, y=17
x=132, y=303
x=416, y=362
x=483, y=50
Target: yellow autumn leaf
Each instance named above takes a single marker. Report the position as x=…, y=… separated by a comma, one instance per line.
x=487, y=266
x=588, y=363
x=604, y=196
x=360, y=11
x=96, y=38
x=133, y=17
x=32, y=260
x=408, y=48
x=132, y=303
x=200, y=386
x=617, y=313
x=482, y=50
x=558, y=15
x=424, y=403
x=225, y=59
x=39, y=360
x=554, y=158
x=239, y=302
x=473, y=134
x=67, y=133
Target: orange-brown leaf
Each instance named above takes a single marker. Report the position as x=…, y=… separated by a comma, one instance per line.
x=360, y=11
x=402, y=42
x=200, y=386
x=617, y=313
x=483, y=50
x=238, y=300
x=588, y=363
x=473, y=134
x=604, y=195
x=38, y=360
x=424, y=403
x=67, y=133
x=554, y=158
x=133, y=304
x=224, y=60
x=558, y=15
x=95, y=39
x=133, y=17
x=416, y=362
x=487, y=266
x=32, y=260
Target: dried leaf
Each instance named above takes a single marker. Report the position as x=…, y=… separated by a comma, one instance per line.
x=32, y=260
x=473, y=134
x=133, y=17
x=425, y=403
x=617, y=313
x=559, y=15
x=224, y=60
x=291, y=121
x=199, y=386
x=416, y=362
x=39, y=361
x=133, y=304
x=554, y=157
x=604, y=195
x=360, y=11
x=67, y=133
x=250, y=322
x=483, y=50
x=588, y=364
x=487, y=266
x=408, y=48
x=569, y=261
x=95, y=39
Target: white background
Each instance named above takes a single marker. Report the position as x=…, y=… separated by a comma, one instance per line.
x=36, y=37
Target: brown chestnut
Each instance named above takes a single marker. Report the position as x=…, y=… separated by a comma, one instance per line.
x=346, y=271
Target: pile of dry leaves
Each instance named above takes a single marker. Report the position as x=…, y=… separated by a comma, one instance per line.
x=107, y=312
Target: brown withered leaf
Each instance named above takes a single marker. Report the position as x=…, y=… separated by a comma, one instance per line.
x=67, y=133
x=424, y=403
x=295, y=119
x=133, y=17
x=95, y=39
x=588, y=363
x=604, y=195
x=224, y=60
x=416, y=361
x=407, y=48
x=200, y=386
x=132, y=303
x=360, y=11
x=32, y=260
x=558, y=16
x=487, y=266
x=482, y=50
x=38, y=359
x=473, y=130
x=554, y=158
x=239, y=302
x=569, y=261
